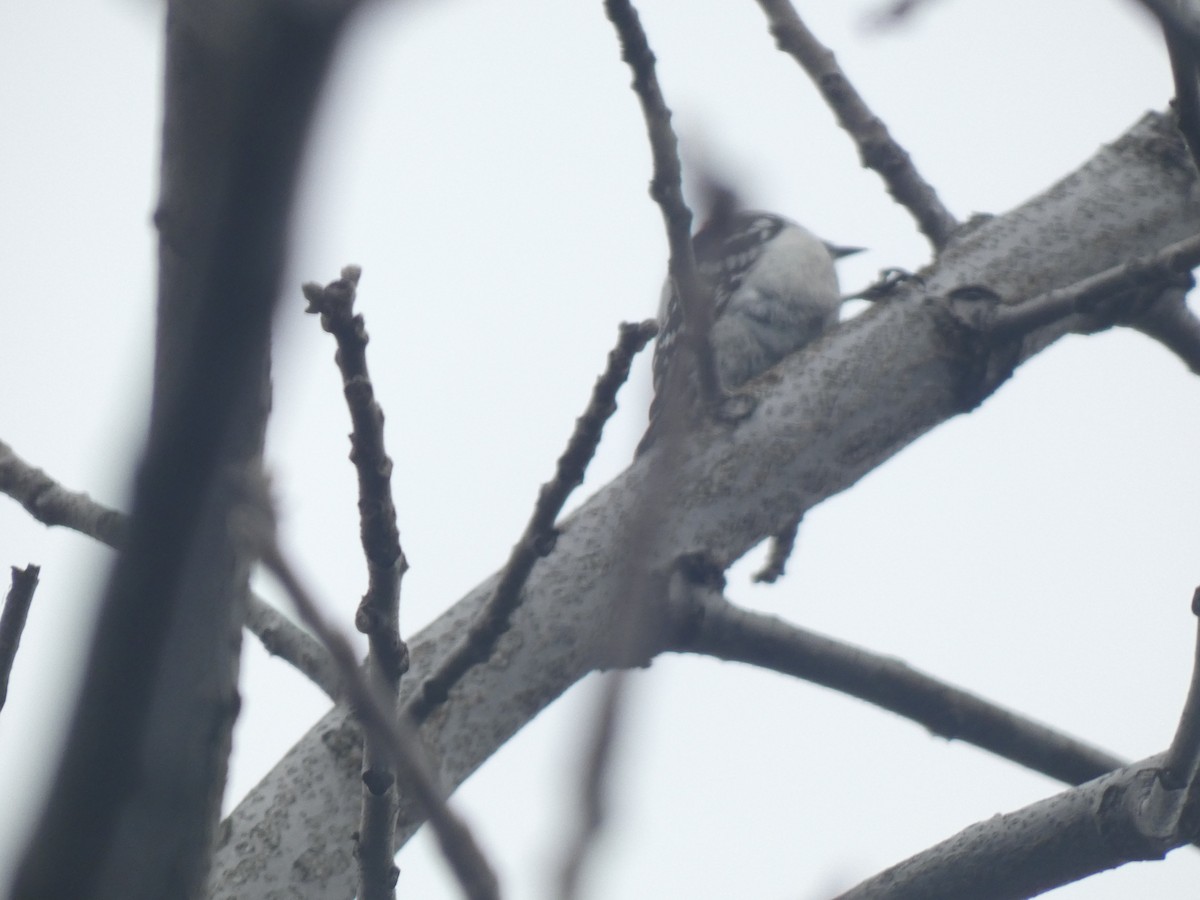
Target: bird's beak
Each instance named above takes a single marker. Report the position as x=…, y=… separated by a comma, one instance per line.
x=839, y=252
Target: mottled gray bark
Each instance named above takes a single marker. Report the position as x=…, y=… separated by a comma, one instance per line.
x=825, y=417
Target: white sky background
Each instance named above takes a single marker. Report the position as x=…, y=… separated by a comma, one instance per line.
x=485, y=162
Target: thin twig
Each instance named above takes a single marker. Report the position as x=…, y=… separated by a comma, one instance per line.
x=52, y=504
x=378, y=615
x=876, y=147
x=1183, y=757
x=695, y=301
x=12, y=620
x=1159, y=270
x=593, y=805
x=1184, y=70
x=720, y=629
x=575, y=592
x=894, y=13
x=393, y=734
x=633, y=631
x=666, y=188
x=281, y=637
x=539, y=535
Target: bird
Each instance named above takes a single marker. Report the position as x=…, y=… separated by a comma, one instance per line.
x=774, y=289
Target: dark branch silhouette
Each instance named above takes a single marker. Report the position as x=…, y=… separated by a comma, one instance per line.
x=12, y=621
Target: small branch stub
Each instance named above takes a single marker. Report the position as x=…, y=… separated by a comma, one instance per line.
x=12, y=620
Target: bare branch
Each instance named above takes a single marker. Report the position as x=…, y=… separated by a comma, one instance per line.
x=592, y=806
x=1170, y=321
x=1079, y=832
x=720, y=629
x=666, y=187
x=158, y=697
x=1180, y=20
x=1146, y=275
x=52, y=504
x=378, y=615
x=895, y=12
x=539, y=537
x=457, y=844
x=1184, y=69
x=629, y=633
x=876, y=147
x=281, y=637
x=12, y=620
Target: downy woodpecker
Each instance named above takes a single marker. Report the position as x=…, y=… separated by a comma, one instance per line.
x=774, y=289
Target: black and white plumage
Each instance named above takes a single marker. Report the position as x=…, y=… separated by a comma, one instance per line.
x=774, y=289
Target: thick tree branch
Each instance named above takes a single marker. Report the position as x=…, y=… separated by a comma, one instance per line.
x=281, y=637
x=825, y=417
x=136, y=796
x=877, y=149
x=1138, y=812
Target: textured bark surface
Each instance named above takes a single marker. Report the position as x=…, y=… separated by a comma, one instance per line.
x=826, y=417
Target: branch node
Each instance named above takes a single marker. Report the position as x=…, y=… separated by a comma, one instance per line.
x=378, y=781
